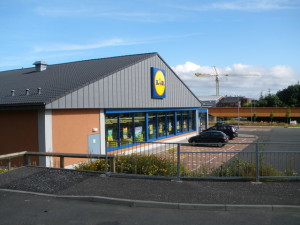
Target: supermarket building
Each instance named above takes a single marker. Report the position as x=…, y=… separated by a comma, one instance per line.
x=94, y=106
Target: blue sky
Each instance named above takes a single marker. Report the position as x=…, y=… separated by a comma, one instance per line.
x=260, y=37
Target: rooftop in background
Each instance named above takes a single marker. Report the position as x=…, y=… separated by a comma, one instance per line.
x=210, y=101
x=230, y=101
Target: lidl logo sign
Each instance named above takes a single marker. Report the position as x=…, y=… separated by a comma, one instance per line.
x=158, y=83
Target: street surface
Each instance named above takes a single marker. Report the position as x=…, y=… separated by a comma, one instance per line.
x=18, y=209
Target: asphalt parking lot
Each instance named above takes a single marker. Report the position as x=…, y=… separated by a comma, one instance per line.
x=270, y=139
x=273, y=134
x=197, y=157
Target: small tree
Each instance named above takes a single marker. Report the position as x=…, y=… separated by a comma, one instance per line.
x=254, y=116
x=288, y=115
x=271, y=116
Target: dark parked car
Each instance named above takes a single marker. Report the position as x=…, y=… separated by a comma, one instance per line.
x=219, y=123
x=230, y=130
x=212, y=136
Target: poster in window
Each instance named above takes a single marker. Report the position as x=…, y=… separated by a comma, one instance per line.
x=160, y=128
x=125, y=133
x=178, y=125
x=170, y=126
x=150, y=128
x=110, y=135
x=138, y=132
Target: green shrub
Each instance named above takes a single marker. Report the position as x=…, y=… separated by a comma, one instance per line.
x=204, y=171
x=235, y=168
x=3, y=170
x=136, y=164
x=157, y=166
x=238, y=167
x=290, y=172
x=93, y=165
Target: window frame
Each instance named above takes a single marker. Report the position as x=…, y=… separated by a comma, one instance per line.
x=175, y=113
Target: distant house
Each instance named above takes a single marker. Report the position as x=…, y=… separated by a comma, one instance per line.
x=210, y=101
x=94, y=105
x=233, y=101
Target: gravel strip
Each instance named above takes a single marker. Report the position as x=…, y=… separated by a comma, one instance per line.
x=69, y=182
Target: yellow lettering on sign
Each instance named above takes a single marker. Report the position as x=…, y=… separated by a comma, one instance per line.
x=160, y=83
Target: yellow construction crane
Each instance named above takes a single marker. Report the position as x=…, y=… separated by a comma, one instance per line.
x=218, y=79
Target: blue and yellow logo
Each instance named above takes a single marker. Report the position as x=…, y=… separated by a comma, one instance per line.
x=158, y=83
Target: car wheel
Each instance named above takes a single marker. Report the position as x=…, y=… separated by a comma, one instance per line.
x=220, y=144
x=194, y=143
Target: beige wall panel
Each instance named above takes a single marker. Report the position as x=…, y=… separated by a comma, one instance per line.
x=71, y=129
x=19, y=132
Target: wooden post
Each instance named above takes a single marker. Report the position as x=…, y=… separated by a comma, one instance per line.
x=62, y=162
x=9, y=163
x=26, y=160
x=113, y=164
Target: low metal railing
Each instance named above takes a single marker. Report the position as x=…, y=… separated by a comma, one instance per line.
x=251, y=160
x=26, y=158
x=8, y=158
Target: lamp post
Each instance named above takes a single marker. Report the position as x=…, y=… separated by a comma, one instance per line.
x=251, y=111
x=239, y=112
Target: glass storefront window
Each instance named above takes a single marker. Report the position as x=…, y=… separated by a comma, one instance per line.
x=152, y=125
x=191, y=120
x=126, y=128
x=139, y=127
x=179, y=122
x=170, y=129
x=161, y=116
x=185, y=121
x=111, y=130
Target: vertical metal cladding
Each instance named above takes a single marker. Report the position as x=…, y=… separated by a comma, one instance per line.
x=130, y=88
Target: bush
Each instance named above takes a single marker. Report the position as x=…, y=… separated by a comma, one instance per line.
x=93, y=165
x=157, y=166
x=235, y=168
x=3, y=170
x=238, y=167
x=136, y=164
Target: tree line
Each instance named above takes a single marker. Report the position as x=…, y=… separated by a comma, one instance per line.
x=288, y=97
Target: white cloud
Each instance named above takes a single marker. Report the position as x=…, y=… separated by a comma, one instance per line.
x=72, y=47
x=92, y=11
x=17, y=62
x=250, y=5
x=240, y=5
x=246, y=80
x=138, y=13
x=51, y=47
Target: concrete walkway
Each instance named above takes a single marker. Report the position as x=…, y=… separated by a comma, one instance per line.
x=210, y=195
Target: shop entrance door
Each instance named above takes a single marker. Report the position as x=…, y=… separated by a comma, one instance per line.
x=200, y=124
x=94, y=143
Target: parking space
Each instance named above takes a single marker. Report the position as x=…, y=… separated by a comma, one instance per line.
x=255, y=129
x=203, y=159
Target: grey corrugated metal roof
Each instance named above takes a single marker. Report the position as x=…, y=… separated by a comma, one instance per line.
x=60, y=79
